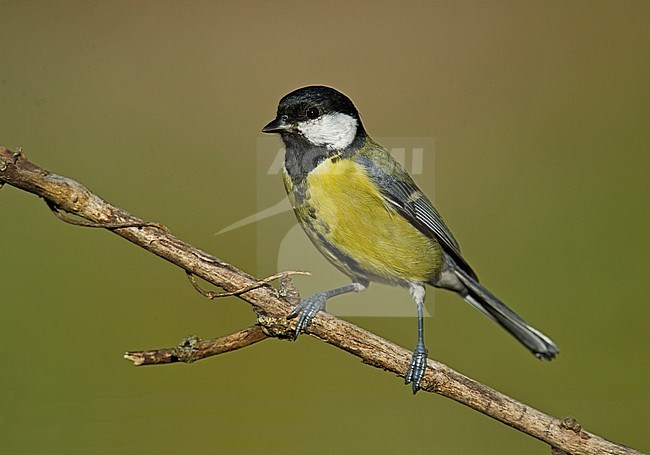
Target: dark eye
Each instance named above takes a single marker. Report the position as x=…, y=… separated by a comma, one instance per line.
x=312, y=113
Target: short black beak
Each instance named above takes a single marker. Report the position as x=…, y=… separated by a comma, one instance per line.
x=279, y=125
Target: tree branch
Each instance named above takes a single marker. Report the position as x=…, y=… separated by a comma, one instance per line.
x=272, y=308
x=193, y=348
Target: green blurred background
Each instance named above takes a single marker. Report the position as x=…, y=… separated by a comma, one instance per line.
x=539, y=111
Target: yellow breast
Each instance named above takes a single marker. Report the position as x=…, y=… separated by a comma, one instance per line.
x=352, y=215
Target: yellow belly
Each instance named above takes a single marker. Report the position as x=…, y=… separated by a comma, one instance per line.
x=352, y=215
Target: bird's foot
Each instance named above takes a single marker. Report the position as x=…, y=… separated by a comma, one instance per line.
x=307, y=309
x=417, y=367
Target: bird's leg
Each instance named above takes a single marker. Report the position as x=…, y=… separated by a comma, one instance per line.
x=419, y=359
x=308, y=307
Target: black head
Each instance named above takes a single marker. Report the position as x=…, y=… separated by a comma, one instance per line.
x=318, y=115
x=309, y=103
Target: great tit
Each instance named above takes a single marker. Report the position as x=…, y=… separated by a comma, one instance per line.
x=365, y=214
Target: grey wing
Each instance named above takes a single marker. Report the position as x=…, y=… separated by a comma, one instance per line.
x=401, y=192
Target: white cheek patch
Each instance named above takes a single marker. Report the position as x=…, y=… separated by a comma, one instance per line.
x=334, y=131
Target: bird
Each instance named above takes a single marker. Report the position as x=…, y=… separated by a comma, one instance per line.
x=366, y=216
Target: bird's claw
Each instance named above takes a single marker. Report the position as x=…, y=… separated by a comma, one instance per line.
x=307, y=309
x=417, y=367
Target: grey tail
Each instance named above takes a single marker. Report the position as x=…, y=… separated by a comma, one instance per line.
x=488, y=304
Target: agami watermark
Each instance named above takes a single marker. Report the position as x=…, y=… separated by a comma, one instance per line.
x=295, y=251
